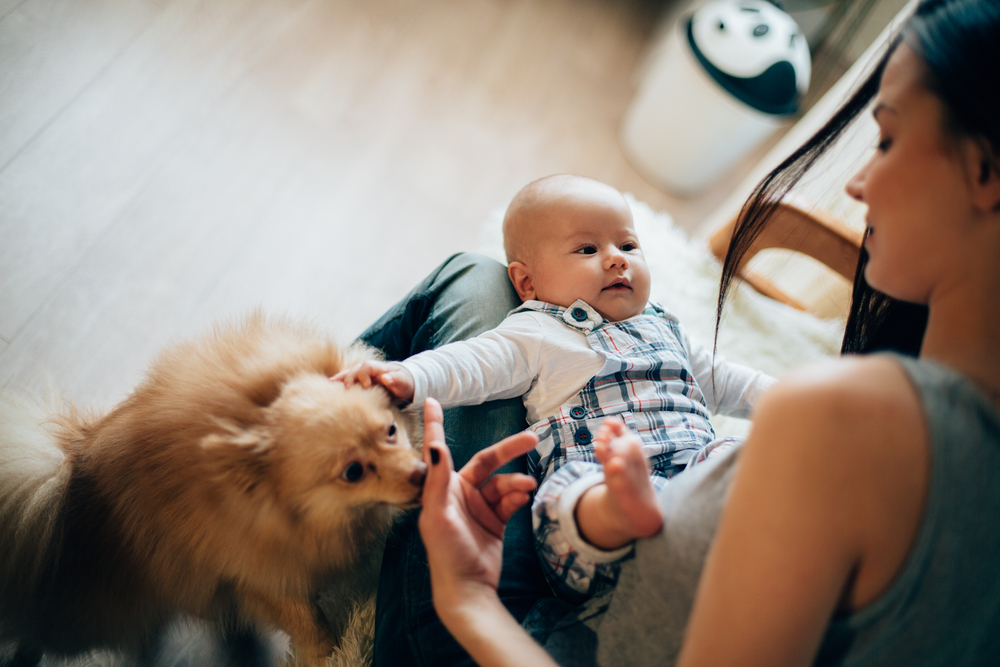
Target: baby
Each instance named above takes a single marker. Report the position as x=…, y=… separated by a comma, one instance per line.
x=616, y=391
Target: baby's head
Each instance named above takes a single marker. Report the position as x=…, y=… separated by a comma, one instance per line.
x=569, y=238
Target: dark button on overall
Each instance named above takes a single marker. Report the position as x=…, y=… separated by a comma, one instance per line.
x=578, y=314
x=577, y=412
x=582, y=437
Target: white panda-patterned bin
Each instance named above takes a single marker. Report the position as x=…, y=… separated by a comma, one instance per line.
x=729, y=75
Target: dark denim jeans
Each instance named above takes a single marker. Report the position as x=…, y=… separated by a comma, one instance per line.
x=465, y=296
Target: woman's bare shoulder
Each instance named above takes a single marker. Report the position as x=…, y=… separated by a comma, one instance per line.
x=855, y=421
x=847, y=439
x=845, y=392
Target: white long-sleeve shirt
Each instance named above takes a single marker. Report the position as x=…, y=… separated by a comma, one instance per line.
x=533, y=355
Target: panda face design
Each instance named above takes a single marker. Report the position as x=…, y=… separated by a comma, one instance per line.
x=743, y=38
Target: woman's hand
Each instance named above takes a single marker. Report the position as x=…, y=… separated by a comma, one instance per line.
x=464, y=513
x=462, y=523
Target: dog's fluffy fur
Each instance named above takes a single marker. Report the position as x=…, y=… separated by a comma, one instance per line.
x=234, y=484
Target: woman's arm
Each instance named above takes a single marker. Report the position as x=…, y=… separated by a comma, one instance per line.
x=485, y=629
x=821, y=516
x=462, y=525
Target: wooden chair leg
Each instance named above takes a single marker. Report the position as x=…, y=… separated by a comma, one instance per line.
x=816, y=234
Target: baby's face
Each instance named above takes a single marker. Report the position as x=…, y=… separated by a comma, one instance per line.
x=586, y=248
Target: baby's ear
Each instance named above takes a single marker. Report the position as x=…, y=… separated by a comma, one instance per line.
x=520, y=277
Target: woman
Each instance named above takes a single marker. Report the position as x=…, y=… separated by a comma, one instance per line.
x=861, y=523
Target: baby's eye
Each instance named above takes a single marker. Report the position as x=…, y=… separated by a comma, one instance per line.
x=354, y=472
x=587, y=250
x=629, y=247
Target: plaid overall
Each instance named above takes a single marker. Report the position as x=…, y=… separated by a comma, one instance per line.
x=647, y=381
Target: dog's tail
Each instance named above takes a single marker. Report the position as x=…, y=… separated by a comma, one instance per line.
x=34, y=474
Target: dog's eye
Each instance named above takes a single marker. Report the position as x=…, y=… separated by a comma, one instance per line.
x=392, y=431
x=354, y=472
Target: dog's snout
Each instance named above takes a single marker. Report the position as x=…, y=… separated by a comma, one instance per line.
x=418, y=475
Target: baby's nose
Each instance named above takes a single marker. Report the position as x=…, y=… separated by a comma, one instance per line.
x=617, y=258
x=418, y=475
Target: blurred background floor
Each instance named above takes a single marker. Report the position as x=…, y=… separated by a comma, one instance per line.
x=165, y=163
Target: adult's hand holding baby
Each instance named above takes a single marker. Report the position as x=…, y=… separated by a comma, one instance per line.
x=462, y=525
x=393, y=377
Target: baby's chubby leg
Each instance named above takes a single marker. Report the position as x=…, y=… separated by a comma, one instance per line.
x=624, y=508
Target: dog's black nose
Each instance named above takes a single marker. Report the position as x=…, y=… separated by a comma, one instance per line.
x=418, y=475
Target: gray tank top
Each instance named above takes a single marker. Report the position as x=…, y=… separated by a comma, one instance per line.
x=944, y=606
x=942, y=609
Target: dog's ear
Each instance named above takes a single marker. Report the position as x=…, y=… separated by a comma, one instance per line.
x=250, y=439
x=237, y=451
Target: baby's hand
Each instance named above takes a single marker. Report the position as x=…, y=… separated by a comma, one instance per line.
x=396, y=379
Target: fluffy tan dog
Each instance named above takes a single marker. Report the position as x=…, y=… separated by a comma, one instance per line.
x=234, y=484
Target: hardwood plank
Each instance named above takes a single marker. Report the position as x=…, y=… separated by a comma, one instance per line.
x=457, y=91
x=63, y=191
x=8, y=6
x=51, y=50
x=136, y=290
x=325, y=258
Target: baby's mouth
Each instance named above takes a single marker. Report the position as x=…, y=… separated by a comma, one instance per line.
x=619, y=284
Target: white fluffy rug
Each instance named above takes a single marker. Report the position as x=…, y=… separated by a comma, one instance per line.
x=357, y=645
x=756, y=330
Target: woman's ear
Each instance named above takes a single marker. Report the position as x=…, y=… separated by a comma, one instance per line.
x=989, y=182
x=520, y=277
x=986, y=181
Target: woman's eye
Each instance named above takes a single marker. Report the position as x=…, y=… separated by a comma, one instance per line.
x=883, y=145
x=354, y=472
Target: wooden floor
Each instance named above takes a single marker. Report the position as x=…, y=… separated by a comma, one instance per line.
x=165, y=163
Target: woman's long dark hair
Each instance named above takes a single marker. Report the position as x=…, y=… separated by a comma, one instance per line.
x=959, y=43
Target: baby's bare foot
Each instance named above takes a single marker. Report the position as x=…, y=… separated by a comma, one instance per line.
x=624, y=508
x=630, y=494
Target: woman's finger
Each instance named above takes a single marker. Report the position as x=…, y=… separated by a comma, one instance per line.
x=510, y=503
x=436, y=456
x=486, y=461
x=498, y=486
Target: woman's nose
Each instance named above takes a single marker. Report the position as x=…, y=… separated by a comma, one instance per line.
x=855, y=187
